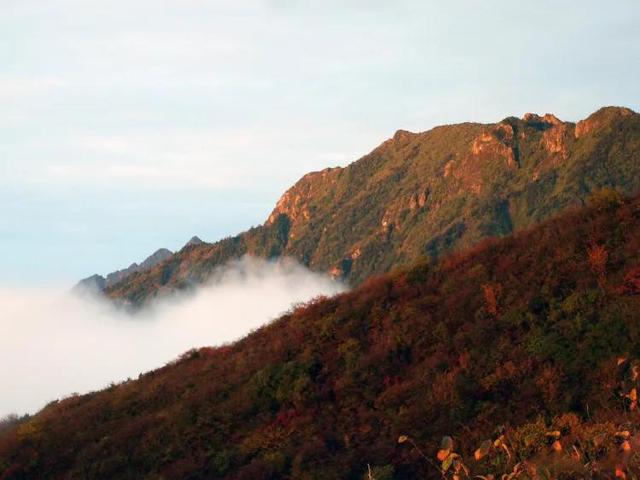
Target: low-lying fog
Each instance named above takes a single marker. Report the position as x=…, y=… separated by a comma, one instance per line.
x=54, y=343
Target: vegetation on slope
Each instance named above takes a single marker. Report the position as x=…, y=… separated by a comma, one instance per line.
x=534, y=337
x=424, y=194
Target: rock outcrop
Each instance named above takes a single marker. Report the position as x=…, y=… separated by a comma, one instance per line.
x=295, y=202
x=498, y=141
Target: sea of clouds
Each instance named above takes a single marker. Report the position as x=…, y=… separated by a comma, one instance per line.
x=54, y=343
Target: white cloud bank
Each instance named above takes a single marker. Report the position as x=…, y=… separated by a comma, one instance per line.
x=53, y=344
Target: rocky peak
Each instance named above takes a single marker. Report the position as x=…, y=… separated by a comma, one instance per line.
x=600, y=119
x=399, y=139
x=531, y=117
x=156, y=257
x=195, y=240
x=403, y=135
x=552, y=119
x=497, y=140
x=93, y=284
x=544, y=122
x=555, y=132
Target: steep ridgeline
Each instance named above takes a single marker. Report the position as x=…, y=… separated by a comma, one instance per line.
x=98, y=282
x=534, y=337
x=422, y=194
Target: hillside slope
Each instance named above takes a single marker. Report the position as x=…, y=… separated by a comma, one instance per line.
x=519, y=336
x=423, y=194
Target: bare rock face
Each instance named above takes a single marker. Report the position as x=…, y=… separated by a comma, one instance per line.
x=450, y=165
x=418, y=200
x=403, y=137
x=292, y=204
x=531, y=118
x=387, y=222
x=295, y=201
x=556, y=139
x=552, y=119
x=556, y=134
x=499, y=140
x=336, y=272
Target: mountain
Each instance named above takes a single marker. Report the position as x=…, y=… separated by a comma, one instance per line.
x=531, y=341
x=94, y=284
x=99, y=283
x=195, y=240
x=423, y=194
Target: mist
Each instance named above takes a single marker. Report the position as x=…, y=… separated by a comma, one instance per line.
x=54, y=343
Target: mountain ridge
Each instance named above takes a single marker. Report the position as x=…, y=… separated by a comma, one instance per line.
x=422, y=194
x=99, y=282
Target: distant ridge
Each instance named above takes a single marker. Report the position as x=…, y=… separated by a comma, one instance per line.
x=99, y=283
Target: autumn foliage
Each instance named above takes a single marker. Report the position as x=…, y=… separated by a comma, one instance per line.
x=513, y=351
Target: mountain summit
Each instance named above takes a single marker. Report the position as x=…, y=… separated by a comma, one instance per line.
x=195, y=240
x=423, y=194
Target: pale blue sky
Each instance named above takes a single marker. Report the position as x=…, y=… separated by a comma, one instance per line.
x=131, y=125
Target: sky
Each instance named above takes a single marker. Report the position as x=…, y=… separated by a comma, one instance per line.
x=126, y=126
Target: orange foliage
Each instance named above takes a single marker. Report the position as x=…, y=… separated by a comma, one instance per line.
x=491, y=293
x=498, y=336
x=598, y=256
